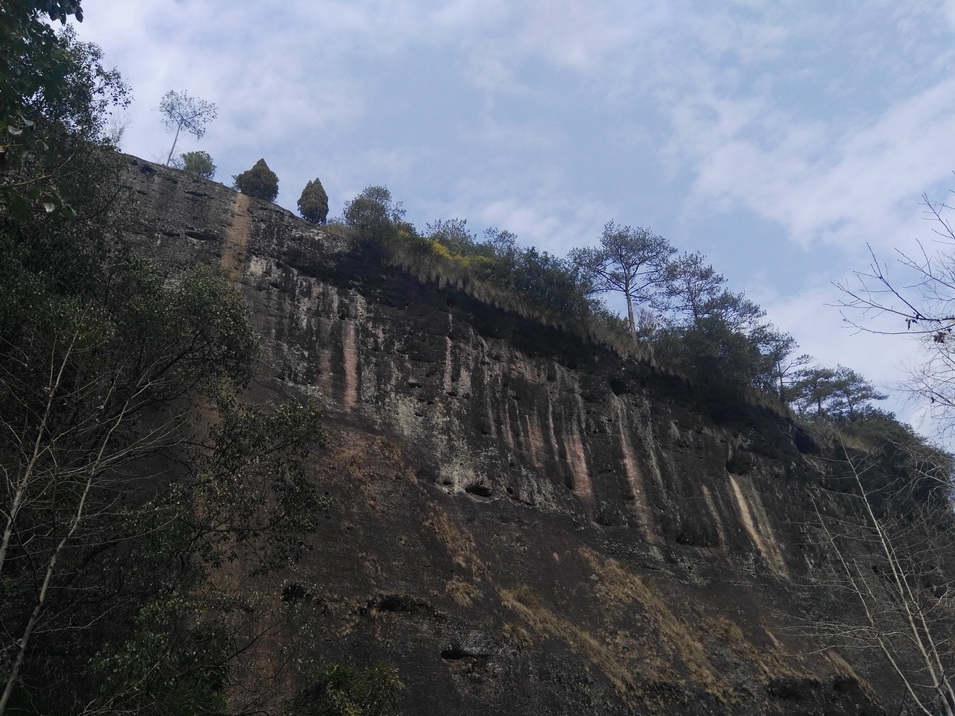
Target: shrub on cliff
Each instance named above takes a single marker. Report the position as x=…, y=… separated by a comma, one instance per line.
x=313, y=203
x=373, y=214
x=198, y=163
x=259, y=181
x=346, y=690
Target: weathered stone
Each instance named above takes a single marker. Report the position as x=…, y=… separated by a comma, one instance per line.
x=523, y=522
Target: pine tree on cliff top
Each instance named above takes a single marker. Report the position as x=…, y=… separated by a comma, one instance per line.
x=313, y=203
x=259, y=181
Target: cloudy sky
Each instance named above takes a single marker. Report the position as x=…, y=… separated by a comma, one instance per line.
x=778, y=137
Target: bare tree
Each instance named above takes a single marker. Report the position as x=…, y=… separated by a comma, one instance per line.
x=914, y=296
x=893, y=558
x=184, y=112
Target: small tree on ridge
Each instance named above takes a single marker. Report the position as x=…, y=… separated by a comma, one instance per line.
x=259, y=181
x=198, y=163
x=313, y=203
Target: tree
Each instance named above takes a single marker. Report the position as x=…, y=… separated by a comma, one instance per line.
x=893, y=551
x=117, y=503
x=374, y=214
x=629, y=261
x=454, y=235
x=75, y=405
x=313, y=203
x=103, y=363
x=259, y=181
x=916, y=298
x=785, y=368
x=550, y=283
x=343, y=690
x=30, y=62
x=835, y=393
x=183, y=112
x=198, y=163
x=53, y=104
x=693, y=288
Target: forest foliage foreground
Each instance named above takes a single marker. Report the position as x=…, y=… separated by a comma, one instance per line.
x=118, y=505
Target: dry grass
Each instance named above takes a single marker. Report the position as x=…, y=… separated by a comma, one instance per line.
x=458, y=541
x=461, y=592
x=516, y=634
x=445, y=269
x=545, y=622
x=618, y=586
x=725, y=629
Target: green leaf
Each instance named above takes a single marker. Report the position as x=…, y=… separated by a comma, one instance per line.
x=18, y=208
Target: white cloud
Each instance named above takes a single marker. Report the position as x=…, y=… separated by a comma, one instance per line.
x=822, y=182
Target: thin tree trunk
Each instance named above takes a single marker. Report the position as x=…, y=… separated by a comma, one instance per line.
x=173, y=147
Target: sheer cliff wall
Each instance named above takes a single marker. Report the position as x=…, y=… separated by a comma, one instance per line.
x=520, y=521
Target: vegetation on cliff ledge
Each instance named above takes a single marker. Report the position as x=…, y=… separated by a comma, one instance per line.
x=680, y=312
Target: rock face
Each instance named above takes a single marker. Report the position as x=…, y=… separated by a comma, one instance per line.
x=521, y=522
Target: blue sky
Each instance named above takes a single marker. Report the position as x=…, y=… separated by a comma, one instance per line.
x=777, y=137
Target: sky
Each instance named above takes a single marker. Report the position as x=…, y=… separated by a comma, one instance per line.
x=780, y=138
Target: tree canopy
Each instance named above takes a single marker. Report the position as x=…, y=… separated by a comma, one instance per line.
x=183, y=112
x=374, y=214
x=630, y=261
x=259, y=181
x=103, y=362
x=198, y=163
x=313, y=203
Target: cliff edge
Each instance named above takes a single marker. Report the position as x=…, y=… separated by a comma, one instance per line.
x=520, y=521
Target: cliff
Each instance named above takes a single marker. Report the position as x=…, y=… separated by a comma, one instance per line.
x=520, y=521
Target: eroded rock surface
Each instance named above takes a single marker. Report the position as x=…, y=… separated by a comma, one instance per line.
x=522, y=522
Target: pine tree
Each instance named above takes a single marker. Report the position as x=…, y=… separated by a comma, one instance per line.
x=313, y=203
x=259, y=181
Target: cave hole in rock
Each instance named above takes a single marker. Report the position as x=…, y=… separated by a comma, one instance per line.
x=453, y=653
x=617, y=386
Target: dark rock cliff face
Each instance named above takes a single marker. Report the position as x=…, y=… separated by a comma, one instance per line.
x=521, y=523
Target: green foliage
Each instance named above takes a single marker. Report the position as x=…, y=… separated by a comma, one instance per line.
x=694, y=289
x=343, y=690
x=549, y=282
x=199, y=163
x=313, y=203
x=453, y=234
x=54, y=97
x=175, y=662
x=32, y=60
x=834, y=393
x=718, y=337
x=259, y=181
x=374, y=214
x=118, y=504
x=629, y=261
x=102, y=384
x=250, y=481
x=547, y=285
